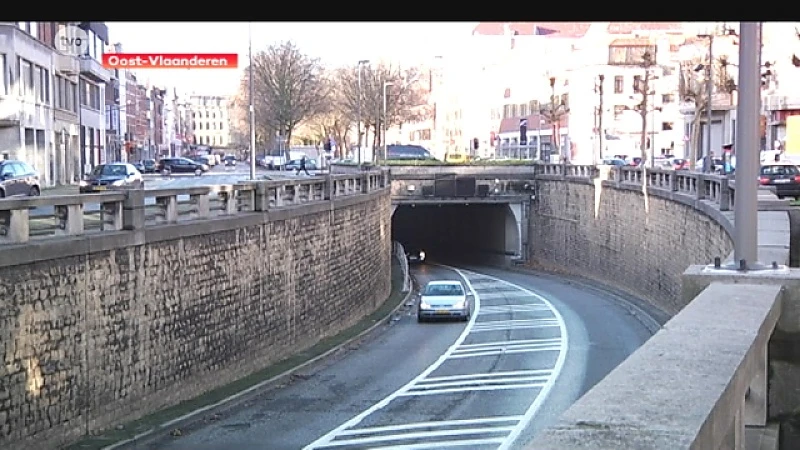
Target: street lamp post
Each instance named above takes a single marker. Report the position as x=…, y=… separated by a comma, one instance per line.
x=252, y=108
x=747, y=143
x=360, y=65
x=601, y=133
x=709, y=99
x=385, y=85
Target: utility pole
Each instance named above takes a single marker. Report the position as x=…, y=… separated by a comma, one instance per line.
x=252, y=109
x=554, y=112
x=644, y=89
x=707, y=165
x=600, y=117
x=360, y=95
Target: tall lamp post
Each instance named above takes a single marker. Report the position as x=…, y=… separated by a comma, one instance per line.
x=252, y=107
x=383, y=139
x=709, y=98
x=601, y=134
x=554, y=112
x=361, y=64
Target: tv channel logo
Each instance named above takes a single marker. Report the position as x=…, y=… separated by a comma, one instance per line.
x=72, y=40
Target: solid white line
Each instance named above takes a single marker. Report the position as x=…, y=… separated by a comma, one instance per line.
x=506, y=352
x=497, y=345
x=440, y=424
x=382, y=404
x=514, y=327
x=492, y=374
x=504, y=348
x=515, y=342
x=421, y=435
x=444, y=444
x=545, y=392
x=513, y=308
x=461, y=390
x=495, y=381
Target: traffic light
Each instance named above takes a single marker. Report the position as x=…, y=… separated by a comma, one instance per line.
x=475, y=143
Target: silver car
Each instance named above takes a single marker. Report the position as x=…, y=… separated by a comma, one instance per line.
x=444, y=299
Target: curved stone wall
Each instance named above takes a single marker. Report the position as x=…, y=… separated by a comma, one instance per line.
x=104, y=336
x=606, y=231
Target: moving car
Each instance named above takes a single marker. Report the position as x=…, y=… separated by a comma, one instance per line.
x=112, y=176
x=415, y=255
x=783, y=176
x=18, y=178
x=182, y=165
x=399, y=151
x=444, y=299
x=230, y=160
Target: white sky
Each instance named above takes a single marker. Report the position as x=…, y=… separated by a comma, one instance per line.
x=336, y=43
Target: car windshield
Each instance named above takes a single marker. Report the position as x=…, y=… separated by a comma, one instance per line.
x=114, y=169
x=443, y=289
x=779, y=170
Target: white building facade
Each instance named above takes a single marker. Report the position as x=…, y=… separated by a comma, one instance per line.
x=91, y=92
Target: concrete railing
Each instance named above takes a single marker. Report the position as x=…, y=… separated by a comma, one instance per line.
x=706, y=377
x=25, y=219
x=696, y=384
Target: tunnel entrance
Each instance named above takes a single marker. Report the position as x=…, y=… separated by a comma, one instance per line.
x=474, y=233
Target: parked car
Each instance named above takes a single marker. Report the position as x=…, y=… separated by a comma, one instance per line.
x=229, y=160
x=146, y=166
x=443, y=299
x=616, y=162
x=294, y=164
x=111, y=177
x=182, y=165
x=407, y=151
x=18, y=178
x=783, y=176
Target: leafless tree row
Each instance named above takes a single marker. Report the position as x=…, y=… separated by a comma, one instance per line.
x=294, y=91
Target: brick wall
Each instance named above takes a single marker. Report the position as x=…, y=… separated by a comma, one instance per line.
x=645, y=254
x=89, y=341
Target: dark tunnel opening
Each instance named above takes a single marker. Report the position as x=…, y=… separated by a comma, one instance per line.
x=459, y=233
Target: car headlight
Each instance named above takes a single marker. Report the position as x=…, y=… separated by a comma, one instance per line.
x=460, y=305
x=83, y=183
x=423, y=305
x=118, y=183
x=421, y=255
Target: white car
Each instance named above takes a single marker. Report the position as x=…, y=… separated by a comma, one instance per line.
x=444, y=299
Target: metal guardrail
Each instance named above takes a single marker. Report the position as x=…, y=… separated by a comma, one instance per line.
x=26, y=219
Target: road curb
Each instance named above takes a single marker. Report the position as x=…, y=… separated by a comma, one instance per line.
x=267, y=382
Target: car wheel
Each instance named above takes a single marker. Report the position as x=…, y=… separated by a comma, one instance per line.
x=2, y=194
x=198, y=172
x=781, y=197
x=34, y=191
x=420, y=319
x=165, y=172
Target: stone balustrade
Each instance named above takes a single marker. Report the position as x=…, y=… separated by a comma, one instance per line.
x=25, y=219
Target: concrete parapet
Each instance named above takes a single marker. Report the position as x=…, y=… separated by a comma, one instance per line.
x=663, y=398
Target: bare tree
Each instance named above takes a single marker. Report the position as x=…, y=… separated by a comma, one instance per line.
x=333, y=121
x=643, y=88
x=406, y=97
x=288, y=87
x=693, y=89
x=240, y=120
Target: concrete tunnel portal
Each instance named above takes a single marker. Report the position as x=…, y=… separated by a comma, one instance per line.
x=483, y=233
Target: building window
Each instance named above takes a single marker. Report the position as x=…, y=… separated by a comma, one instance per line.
x=619, y=84
x=72, y=96
x=33, y=29
x=667, y=98
x=220, y=126
x=629, y=55
x=666, y=126
x=3, y=77
x=26, y=84
x=637, y=83
x=618, y=110
x=44, y=85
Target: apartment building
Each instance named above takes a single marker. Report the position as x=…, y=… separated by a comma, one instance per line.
x=116, y=117
x=26, y=97
x=155, y=116
x=574, y=55
x=210, y=120
x=91, y=92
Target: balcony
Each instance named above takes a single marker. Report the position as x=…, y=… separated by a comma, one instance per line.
x=67, y=64
x=93, y=70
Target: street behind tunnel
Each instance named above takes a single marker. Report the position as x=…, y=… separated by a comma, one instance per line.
x=477, y=233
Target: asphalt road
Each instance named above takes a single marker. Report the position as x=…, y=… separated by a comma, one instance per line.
x=532, y=348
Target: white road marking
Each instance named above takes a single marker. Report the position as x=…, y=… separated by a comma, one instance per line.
x=505, y=309
x=436, y=424
x=422, y=385
x=491, y=374
x=445, y=444
x=499, y=348
x=421, y=435
x=501, y=325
